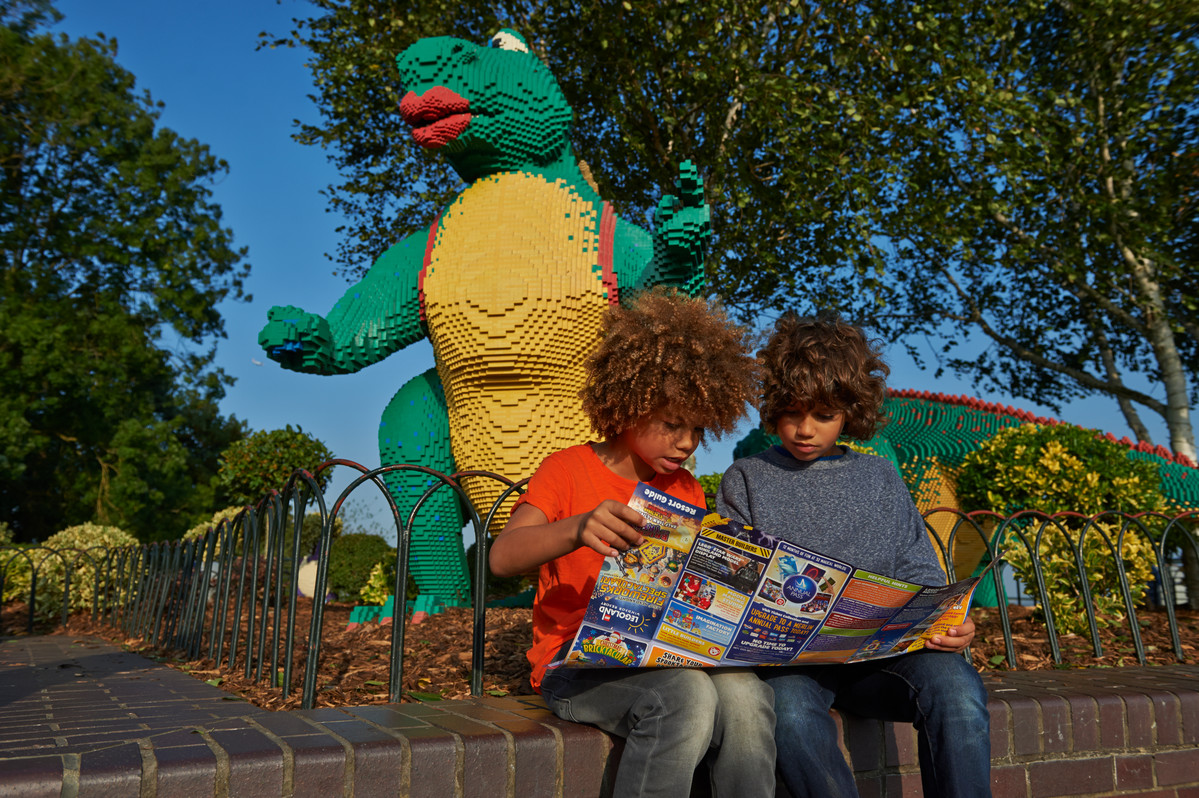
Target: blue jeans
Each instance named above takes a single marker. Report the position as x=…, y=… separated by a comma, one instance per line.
x=939, y=693
x=670, y=718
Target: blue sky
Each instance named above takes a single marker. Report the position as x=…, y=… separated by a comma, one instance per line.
x=200, y=60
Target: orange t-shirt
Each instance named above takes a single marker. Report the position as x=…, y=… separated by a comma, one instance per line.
x=567, y=483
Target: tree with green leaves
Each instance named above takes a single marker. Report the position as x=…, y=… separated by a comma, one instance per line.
x=1016, y=173
x=112, y=263
x=1048, y=199
x=265, y=460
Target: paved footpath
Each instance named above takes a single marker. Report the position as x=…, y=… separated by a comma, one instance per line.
x=62, y=697
x=81, y=717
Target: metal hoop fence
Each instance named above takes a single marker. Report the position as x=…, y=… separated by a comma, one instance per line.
x=230, y=595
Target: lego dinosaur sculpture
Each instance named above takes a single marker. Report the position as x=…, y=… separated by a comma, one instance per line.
x=509, y=285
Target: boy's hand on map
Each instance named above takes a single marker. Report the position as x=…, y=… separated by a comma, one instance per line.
x=611, y=528
x=955, y=639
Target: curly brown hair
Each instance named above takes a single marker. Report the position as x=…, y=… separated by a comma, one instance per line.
x=666, y=349
x=824, y=362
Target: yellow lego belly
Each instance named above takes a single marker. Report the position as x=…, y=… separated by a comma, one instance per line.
x=513, y=299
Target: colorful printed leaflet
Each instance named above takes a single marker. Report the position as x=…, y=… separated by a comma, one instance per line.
x=704, y=591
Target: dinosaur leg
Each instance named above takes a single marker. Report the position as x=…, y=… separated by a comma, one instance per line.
x=415, y=430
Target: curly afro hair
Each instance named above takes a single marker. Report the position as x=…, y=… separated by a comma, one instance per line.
x=667, y=349
x=824, y=362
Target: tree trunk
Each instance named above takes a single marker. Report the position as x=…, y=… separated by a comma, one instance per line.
x=1165, y=352
x=1139, y=430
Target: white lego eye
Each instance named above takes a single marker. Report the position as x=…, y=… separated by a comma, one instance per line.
x=509, y=40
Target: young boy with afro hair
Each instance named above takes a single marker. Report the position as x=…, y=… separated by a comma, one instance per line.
x=668, y=369
x=825, y=380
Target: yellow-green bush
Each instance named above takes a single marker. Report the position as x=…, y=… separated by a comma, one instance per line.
x=310, y=531
x=77, y=550
x=1063, y=468
x=378, y=586
x=1055, y=468
x=381, y=582
x=15, y=567
x=1060, y=571
x=199, y=530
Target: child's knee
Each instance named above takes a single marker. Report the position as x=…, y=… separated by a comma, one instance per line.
x=956, y=691
x=968, y=700
x=743, y=696
x=961, y=676
x=687, y=696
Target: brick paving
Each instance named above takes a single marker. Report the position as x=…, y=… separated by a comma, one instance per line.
x=81, y=717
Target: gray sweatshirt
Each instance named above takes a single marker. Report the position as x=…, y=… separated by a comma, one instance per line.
x=854, y=507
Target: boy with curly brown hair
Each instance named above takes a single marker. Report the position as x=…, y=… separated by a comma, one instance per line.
x=668, y=369
x=825, y=380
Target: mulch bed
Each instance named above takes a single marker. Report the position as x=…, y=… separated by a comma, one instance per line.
x=1031, y=641
x=354, y=663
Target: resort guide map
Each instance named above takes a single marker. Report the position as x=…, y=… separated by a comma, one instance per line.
x=704, y=591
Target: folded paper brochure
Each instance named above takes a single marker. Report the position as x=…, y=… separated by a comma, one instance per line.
x=704, y=591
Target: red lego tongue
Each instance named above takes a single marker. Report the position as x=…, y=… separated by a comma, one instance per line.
x=438, y=116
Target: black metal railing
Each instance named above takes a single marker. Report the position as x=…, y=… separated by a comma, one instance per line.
x=230, y=595
x=1037, y=536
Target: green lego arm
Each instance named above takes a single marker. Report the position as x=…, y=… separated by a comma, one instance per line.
x=376, y=317
x=674, y=253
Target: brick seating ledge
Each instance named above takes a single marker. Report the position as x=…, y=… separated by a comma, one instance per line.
x=79, y=717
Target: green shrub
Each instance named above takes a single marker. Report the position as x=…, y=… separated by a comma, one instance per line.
x=711, y=485
x=351, y=559
x=77, y=550
x=1058, y=468
x=310, y=534
x=264, y=461
x=383, y=576
x=1053, y=468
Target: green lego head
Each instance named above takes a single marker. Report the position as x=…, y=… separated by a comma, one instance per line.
x=489, y=109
